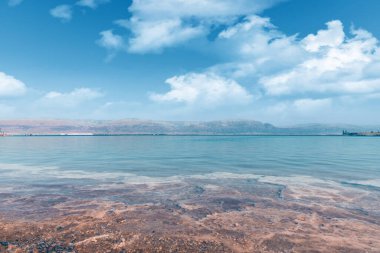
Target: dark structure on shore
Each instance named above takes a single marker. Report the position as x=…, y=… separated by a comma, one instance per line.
x=346, y=133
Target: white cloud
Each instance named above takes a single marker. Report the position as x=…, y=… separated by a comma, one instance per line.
x=70, y=99
x=155, y=35
x=203, y=89
x=91, y=3
x=289, y=75
x=333, y=66
x=250, y=22
x=159, y=24
x=10, y=86
x=62, y=12
x=326, y=63
x=14, y=2
x=298, y=74
x=111, y=41
x=333, y=36
x=254, y=48
x=123, y=23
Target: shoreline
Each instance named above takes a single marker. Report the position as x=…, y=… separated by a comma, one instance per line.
x=191, y=135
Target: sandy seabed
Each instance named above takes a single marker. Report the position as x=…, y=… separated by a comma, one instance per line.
x=197, y=214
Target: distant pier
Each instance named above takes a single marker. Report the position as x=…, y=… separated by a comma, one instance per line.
x=371, y=133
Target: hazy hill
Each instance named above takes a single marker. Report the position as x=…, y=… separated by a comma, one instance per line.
x=134, y=126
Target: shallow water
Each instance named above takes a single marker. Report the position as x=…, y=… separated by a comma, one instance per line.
x=337, y=158
x=219, y=193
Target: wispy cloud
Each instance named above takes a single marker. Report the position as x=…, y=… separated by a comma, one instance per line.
x=14, y=2
x=72, y=98
x=92, y=3
x=308, y=105
x=65, y=11
x=62, y=12
x=112, y=42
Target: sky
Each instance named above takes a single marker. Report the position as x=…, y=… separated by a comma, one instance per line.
x=280, y=61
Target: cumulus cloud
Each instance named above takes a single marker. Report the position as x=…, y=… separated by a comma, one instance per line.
x=156, y=25
x=70, y=99
x=203, y=89
x=338, y=64
x=331, y=37
x=306, y=72
x=328, y=63
x=296, y=74
x=255, y=47
x=62, y=12
x=91, y=3
x=10, y=86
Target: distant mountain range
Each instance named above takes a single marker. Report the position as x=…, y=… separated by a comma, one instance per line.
x=134, y=126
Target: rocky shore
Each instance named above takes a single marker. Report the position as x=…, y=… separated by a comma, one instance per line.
x=197, y=215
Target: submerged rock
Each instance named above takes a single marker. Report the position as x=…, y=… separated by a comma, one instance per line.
x=198, y=190
x=5, y=244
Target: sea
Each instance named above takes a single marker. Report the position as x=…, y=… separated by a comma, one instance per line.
x=79, y=159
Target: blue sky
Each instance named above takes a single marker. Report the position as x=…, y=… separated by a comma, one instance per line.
x=284, y=62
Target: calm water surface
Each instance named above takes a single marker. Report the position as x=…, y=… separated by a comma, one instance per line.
x=327, y=157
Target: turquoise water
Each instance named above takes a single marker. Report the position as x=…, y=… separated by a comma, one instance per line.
x=327, y=157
